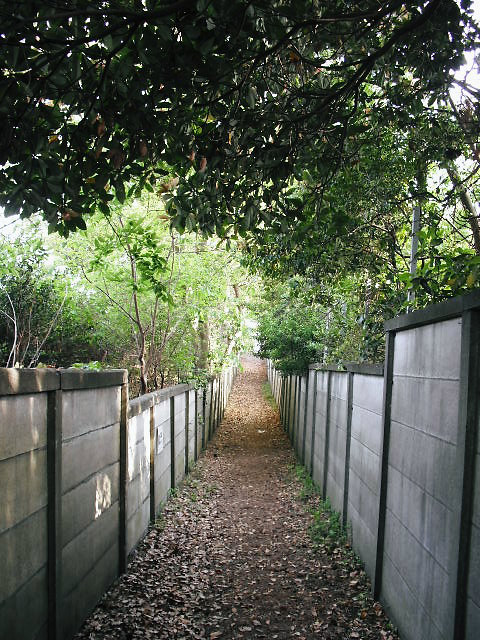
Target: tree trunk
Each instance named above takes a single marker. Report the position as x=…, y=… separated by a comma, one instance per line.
x=467, y=205
x=203, y=335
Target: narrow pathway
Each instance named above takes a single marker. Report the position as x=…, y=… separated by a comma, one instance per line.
x=231, y=556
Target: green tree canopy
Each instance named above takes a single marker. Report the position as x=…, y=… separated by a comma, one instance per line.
x=219, y=105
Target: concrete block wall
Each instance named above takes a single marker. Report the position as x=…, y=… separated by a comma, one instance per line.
x=364, y=471
x=90, y=498
x=138, y=470
x=319, y=428
x=311, y=398
x=83, y=472
x=300, y=429
x=337, y=428
x=162, y=452
x=421, y=496
x=23, y=516
x=399, y=447
x=179, y=437
x=190, y=400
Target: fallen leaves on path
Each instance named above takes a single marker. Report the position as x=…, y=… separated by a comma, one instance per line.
x=230, y=556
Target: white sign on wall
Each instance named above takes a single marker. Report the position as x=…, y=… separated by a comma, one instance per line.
x=159, y=440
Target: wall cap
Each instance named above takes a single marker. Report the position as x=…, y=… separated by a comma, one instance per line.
x=446, y=310
x=23, y=381
x=363, y=368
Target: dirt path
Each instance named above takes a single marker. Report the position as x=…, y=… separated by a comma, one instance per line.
x=231, y=556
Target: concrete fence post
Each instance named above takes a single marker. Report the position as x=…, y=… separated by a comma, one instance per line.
x=384, y=454
x=123, y=478
x=314, y=419
x=54, y=513
x=347, y=446
x=305, y=416
x=465, y=463
x=327, y=435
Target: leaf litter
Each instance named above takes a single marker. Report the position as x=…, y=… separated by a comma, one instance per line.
x=230, y=556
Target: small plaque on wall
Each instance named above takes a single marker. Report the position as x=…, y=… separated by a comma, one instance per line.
x=159, y=440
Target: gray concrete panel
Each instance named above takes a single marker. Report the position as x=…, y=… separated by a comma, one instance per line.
x=88, y=454
x=78, y=604
x=364, y=539
x=162, y=461
x=473, y=620
x=23, y=615
x=179, y=406
x=162, y=487
x=365, y=464
x=23, y=481
x=162, y=411
x=180, y=424
x=424, y=577
x=138, y=453
x=317, y=471
x=88, y=500
x=23, y=552
x=426, y=461
x=364, y=500
x=86, y=549
x=164, y=426
x=338, y=413
x=137, y=524
x=428, y=405
x=339, y=384
x=367, y=428
x=23, y=424
x=474, y=567
x=179, y=466
x=431, y=351
x=89, y=409
x=139, y=428
x=368, y=392
x=422, y=515
x=309, y=421
x=138, y=489
x=404, y=608
x=335, y=493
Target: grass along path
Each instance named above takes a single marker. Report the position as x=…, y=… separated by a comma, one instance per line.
x=245, y=549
